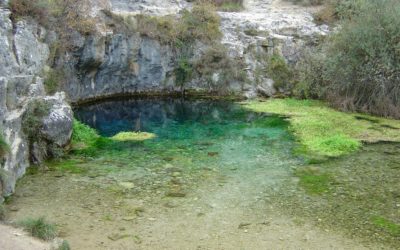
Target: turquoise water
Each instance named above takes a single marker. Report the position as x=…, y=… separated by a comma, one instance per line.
x=190, y=133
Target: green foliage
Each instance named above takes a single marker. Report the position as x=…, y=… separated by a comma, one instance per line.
x=309, y=72
x=4, y=147
x=32, y=119
x=325, y=132
x=183, y=72
x=39, y=228
x=386, y=225
x=313, y=181
x=216, y=60
x=279, y=71
x=360, y=64
x=82, y=133
x=53, y=80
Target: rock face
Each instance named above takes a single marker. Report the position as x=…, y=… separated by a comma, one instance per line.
x=121, y=64
x=115, y=62
x=22, y=60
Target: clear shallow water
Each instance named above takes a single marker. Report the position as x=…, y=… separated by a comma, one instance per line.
x=192, y=133
x=212, y=167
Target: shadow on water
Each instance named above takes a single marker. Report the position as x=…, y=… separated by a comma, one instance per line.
x=159, y=115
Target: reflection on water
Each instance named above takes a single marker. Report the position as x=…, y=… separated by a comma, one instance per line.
x=154, y=115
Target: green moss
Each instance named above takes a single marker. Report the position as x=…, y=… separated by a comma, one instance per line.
x=386, y=225
x=39, y=228
x=313, y=181
x=133, y=136
x=70, y=166
x=82, y=133
x=324, y=132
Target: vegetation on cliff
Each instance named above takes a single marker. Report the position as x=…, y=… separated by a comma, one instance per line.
x=4, y=148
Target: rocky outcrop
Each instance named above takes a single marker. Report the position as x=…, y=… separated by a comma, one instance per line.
x=23, y=59
x=121, y=64
x=116, y=62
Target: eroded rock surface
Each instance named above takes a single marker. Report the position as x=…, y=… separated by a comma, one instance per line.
x=23, y=58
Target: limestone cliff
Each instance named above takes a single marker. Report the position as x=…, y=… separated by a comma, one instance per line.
x=22, y=60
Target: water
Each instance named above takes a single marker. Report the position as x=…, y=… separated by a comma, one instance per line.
x=193, y=133
x=209, y=164
x=215, y=176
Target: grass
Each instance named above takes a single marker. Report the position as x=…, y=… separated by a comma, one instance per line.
x=39, y=228
x=324, y=132
x=64, y=246
x=386, y=225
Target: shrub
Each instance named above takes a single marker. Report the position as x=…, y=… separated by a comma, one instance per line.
x=32, y=119
x=279, y=71
x=53, y=80
x=200, y=23
x=183, y=72
x=163, y=29
x=63, y=15
x=360, y=69
x=216, y=60
x=39, y=228
x=4, y=148
x=32, y=122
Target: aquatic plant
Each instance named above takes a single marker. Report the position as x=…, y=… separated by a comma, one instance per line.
x=386, y=225
x=314, y=181
x=324, y=132
x=82, y=133
x=133, y=136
